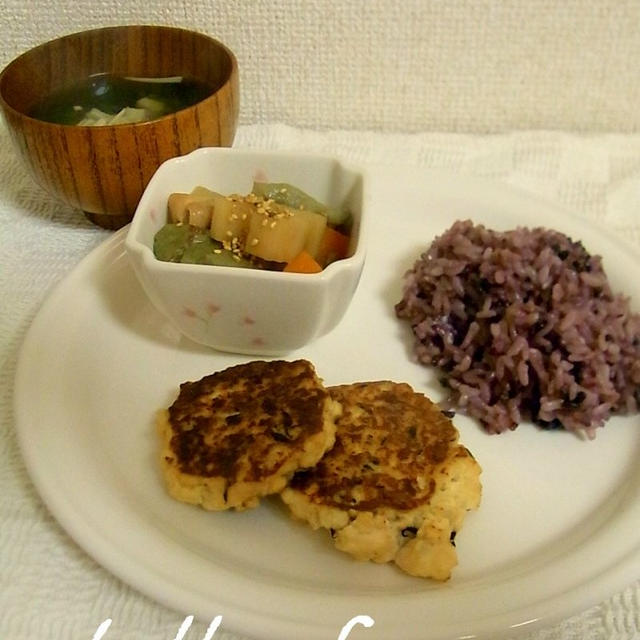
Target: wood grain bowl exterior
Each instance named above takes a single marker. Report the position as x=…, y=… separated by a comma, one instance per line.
x=104, y=170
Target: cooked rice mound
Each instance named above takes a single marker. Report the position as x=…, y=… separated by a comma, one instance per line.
x=523, y=325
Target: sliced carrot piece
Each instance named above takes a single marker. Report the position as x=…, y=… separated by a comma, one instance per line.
x=334, y=246
x=303, y=263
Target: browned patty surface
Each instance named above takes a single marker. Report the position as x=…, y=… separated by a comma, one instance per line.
x=246, y=419
x=389, y=439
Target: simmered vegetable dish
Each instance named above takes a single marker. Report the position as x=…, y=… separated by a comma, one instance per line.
x=276, y=226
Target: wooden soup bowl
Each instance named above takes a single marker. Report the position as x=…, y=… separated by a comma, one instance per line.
x=103, y=170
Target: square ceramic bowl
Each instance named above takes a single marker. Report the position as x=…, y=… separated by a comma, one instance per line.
x=249, y=311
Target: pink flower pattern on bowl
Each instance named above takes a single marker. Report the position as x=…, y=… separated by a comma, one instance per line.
x=208, y=315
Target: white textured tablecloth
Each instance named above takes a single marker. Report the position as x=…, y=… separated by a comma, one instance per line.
x=49, y=588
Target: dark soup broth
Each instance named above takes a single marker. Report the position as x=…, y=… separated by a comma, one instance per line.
x=115, y=99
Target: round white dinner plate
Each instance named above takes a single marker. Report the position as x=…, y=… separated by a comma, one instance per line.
x=557, y=530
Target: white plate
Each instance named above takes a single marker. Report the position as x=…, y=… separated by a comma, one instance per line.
x=557, y=530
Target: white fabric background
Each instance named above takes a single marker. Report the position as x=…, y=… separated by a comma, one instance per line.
x=541, y=94
x=49, y=588
x=415, y=65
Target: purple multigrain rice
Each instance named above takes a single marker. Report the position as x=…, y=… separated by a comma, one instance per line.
x=523, y=325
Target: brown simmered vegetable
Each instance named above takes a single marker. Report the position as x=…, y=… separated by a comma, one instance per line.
x=251, y=230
